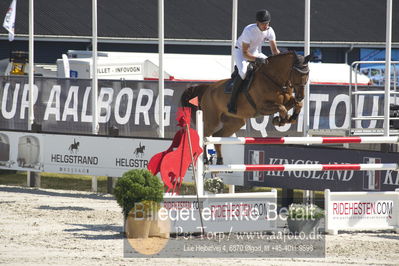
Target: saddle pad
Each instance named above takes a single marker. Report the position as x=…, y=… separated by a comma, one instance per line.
x=229, y=86
x=245, y=84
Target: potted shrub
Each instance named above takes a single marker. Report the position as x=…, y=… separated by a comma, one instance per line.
x=304, y=217
x=214, y=185
x=139, y=194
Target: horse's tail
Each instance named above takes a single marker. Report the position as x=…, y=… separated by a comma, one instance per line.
x=192, y=92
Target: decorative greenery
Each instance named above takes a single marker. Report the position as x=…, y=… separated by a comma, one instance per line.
x=214, y=185
x=304, y=212
x=139, y=190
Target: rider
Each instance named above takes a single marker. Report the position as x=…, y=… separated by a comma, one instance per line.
x=248, y=48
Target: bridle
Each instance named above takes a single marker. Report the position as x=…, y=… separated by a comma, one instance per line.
x=301, y=69
x=298, y=86
x=304, y=69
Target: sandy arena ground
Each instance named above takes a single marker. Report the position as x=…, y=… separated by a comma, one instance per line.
x=56, y=227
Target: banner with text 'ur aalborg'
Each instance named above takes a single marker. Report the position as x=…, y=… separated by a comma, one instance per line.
x=64, y=106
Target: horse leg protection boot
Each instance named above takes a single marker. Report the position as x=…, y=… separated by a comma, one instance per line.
x=232, y=106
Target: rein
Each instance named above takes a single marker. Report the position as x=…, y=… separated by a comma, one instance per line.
x=249, y=97
x=281, y=87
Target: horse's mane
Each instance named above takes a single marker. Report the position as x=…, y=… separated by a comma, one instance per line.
x=282, y=54
x=298, y=63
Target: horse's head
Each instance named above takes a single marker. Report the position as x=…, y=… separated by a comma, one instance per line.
x=300, y=75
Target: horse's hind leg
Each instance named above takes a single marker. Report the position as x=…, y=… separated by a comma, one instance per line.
x=211, y=122
x=205, y=156
x=230, y=126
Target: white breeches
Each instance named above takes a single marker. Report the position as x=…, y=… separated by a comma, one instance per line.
x=242, y=63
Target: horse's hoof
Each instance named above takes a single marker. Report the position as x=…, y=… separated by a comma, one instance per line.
x=293, y=119
x=219, y=161
x=276, y=121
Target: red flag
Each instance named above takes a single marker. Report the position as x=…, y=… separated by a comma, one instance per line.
x=194, y=101
x=183, y=116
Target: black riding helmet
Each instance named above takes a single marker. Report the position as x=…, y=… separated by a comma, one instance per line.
x=263, y=16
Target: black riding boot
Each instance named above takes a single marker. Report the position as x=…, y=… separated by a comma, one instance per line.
x=232, y=106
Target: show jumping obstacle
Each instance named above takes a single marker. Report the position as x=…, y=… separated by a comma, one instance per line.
x=291, y=140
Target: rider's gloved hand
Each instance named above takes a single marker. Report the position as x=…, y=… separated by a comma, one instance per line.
x=260, y=60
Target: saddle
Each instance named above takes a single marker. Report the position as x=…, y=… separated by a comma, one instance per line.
x=246, y=82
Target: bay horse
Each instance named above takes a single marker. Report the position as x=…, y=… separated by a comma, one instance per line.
x=271, y=91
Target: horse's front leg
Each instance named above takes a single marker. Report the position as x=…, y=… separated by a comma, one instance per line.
x=297, y=110
x=297, y=102
x=273, y=107
x=283, y=117
x=293, y=103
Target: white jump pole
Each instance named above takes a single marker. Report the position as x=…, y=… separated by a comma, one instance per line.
x=161, y=83
x=306, y=51
x=31, y=63
x=301, y=167
x=233, y=31
x=233, y=39
x=32, y=179
x=200, y=160
x=94, y=83
x=303, y=140
x=388, y=45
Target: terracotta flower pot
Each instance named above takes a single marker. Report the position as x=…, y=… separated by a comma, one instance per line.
x=137, y=228
x=160, y=228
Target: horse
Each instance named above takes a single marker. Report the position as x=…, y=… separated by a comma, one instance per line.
x=74, y=146
x=270, y=91
x=139, y=150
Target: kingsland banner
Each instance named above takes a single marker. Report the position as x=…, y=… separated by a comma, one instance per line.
x=64, y=105
x=319, y=180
